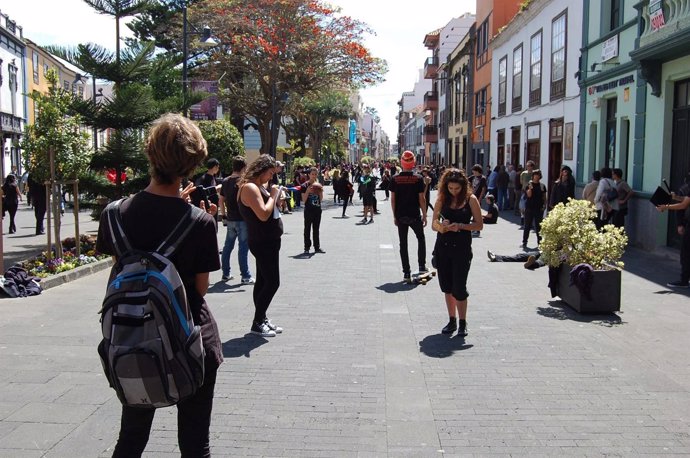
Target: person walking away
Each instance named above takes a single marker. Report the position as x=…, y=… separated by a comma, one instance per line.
x=38, y=193
x=236, y=227
x=682, y=203
x=563, y=188
x=525, y=178
x=590, y=190
x=625, y=192
x=492, y=181
x=605, y=205
x=312, y=198
x=264, y=227
x=491, y=216
x=11, y=195
x=174, y=148
x=367, y=187
x=502, y=181
x=346, y=190
x=335, y=183
x=456, y=214
x=409, y=212
x=428, y=184
x=534, y=207
x=386, y=183
x=512, y=176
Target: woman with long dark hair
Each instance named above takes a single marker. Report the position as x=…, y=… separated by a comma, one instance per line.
x=11, y=195
x=264, y=226
x=456, y=214
x=563, y=188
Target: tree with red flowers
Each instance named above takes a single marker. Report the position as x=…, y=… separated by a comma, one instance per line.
x=275, y=51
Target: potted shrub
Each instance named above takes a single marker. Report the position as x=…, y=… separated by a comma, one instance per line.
x=569, y=239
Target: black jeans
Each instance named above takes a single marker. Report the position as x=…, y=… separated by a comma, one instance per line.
x=267, y=283
x=312, y=223
x=193, y=423
x=345, y=201
x=40, y=214
x=532, y=216
x=12, y=210
x=418, y=230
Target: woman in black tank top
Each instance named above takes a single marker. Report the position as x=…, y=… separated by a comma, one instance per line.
x=264, y=228
x=456, y=214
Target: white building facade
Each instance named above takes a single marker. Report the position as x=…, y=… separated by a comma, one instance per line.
x=536, y=107
x=12, y=90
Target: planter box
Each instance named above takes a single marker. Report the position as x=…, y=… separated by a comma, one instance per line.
x=606, y=291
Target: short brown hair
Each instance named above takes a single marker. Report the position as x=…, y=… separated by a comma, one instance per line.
x=174, y=147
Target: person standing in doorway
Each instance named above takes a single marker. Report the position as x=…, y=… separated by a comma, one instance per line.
x=409, y=212
x=236, y=227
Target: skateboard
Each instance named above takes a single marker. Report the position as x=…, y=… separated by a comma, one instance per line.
x=422, y=278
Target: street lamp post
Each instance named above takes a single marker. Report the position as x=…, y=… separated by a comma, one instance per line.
x=206, y=41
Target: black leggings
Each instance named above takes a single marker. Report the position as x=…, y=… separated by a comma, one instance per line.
x=312, y=219
x=267, y=275
x=532, y=216
x=345, y=201
x=193, y=423
x=418, y=230
x=12, y=210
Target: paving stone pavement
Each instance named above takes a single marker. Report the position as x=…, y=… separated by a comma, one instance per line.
x=362, y=369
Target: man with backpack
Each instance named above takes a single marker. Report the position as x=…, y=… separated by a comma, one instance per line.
x=154, y=317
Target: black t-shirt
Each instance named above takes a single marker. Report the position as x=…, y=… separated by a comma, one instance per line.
x=11, y=197
x=407, y=186
x=312, y=203
x=367, y=185
x=491, y=214
x=478, y=185
x=229, y=192
x=147, y=219
x=207, y=181
x=536, y=202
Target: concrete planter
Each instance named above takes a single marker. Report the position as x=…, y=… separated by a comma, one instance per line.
x=606, y=291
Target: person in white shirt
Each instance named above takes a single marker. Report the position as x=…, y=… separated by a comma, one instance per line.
x=606, y=207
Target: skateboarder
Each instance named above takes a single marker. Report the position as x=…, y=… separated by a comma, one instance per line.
x=409, y=211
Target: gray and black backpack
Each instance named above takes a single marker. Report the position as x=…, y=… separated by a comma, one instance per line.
x=151, y=351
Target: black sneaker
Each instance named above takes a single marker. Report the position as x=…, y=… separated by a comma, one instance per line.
x=319, y=250
x=678, y=284
x=262, y=329
x=407, y=278
x=451, y=327
x=462, y=331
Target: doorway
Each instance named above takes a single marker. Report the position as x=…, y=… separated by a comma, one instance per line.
x=680, y=151
x=555, y=150
x=515, y=146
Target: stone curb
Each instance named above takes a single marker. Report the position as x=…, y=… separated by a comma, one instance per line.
x=74, y=274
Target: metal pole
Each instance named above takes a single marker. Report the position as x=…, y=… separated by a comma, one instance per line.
x=76, y=217
x=95, y=129
x=184, y=58
x=274, y=124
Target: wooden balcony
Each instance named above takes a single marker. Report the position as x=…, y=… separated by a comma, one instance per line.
x=431, y=100
x=431, y=68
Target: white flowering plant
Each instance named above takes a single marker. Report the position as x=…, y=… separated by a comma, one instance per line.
x=569, y=236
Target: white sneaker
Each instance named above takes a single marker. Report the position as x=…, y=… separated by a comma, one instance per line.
x=248, y=281
x=273, y=327
x=262, y=329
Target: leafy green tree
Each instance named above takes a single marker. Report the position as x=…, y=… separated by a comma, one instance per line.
x=55, y=139
x=224, y=142
x=303, y=162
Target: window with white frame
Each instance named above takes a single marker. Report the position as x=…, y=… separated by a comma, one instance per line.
x=502, y=85
x=517, y=79
x=535, y=70
x=558, y=55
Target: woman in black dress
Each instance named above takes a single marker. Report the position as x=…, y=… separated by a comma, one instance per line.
x=11, y=195
x=456, y=214
x=257, y=206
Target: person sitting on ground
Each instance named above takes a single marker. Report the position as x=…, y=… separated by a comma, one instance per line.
x=491, y=215
x=530, y=258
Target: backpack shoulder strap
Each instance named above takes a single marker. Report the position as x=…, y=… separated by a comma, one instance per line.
x=117, y=232
x=172, y=242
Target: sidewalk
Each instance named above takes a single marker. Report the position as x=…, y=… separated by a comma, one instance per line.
x=25, y=244
x=362, y=369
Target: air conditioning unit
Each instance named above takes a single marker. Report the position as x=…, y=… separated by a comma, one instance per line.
x=597, y=102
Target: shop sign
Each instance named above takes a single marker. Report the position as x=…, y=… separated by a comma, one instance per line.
x=207, y=109
x=609, y=49
x=656, y=14
x=605, y=87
